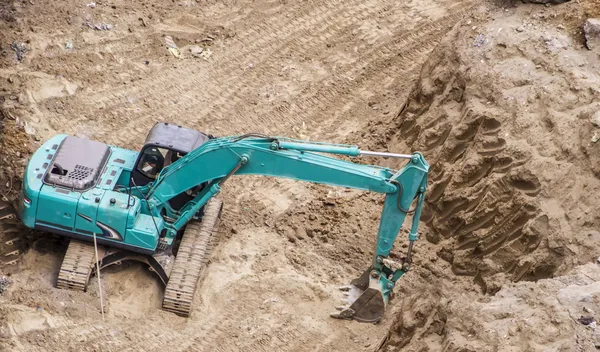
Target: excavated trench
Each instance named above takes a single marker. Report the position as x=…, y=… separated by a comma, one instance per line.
x=508, y=124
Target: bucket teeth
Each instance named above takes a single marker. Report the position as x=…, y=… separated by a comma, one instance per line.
x=13, y=247
x=364, y=301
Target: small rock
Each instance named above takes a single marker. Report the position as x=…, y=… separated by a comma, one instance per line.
x=196, y=50
x=290, y=234
x=595, y=119
x=520, y=29
x=480, y=40
x=596, y=339
x=591, y=29
x=103, y=27
x=4, y=283
x=596, y=138
x=301, y=233
x=587, y=310
x=20, y=49
x=586, y=320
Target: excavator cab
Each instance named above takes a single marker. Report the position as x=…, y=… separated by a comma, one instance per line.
x=165, y=144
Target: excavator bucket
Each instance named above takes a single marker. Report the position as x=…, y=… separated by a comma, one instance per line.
x=365, y=300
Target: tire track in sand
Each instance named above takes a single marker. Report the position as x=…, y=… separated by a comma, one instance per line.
x=270, y=37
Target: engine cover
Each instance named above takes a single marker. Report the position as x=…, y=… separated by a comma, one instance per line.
x=78, y=163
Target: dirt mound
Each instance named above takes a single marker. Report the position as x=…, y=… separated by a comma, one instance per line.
x=523, y=316
x=503, y=114
x=506, y=112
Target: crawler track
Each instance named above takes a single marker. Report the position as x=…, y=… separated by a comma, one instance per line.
x=194, y=252
x=77, y=266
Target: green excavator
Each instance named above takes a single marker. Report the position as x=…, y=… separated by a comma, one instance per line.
x=160, y=206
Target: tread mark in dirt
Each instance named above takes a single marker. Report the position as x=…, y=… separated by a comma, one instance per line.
x=221, y=101
x=12, y=244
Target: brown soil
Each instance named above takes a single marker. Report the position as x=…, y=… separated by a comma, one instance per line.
x=498, y=96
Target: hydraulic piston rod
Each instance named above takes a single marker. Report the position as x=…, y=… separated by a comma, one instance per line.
x=385, y=155
x=349, y=150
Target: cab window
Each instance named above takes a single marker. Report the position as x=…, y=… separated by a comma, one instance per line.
x=152, y=161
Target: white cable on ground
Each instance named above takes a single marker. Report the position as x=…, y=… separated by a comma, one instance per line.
x=98, y=272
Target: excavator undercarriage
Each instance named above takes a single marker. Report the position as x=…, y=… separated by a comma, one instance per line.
x=178, y=273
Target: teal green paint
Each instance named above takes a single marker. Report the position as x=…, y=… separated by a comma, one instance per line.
x=143, y=234
x=57, y=208
x=88, y=207
x=198, y=203
x=215, y=158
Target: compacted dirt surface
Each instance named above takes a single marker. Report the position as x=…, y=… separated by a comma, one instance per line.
x=502, y=98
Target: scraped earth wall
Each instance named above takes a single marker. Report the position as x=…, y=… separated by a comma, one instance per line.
x=15, y=144
x=507, y=112
x=505, y=119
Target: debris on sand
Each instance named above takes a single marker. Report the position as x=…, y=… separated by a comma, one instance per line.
x=480, y=40
x=20, y=49
x=587, y=321
x=100, y=26
x=172, y=47
x=4, y=283
x=591, y=29
x=205, y=54
x=103, y=27
x=196, y=50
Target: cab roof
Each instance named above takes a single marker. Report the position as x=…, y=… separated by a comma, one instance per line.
x=172, y=136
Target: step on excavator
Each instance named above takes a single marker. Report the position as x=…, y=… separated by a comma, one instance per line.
x=160, y=206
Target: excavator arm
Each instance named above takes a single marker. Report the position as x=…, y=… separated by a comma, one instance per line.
x=220, y=158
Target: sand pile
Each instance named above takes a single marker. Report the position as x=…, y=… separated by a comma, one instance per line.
x=505, y=113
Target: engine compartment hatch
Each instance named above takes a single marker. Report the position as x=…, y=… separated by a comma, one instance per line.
x=78, y=163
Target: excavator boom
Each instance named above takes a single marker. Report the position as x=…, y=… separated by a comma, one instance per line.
x=218, y=159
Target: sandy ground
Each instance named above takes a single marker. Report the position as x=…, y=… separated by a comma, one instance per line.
x=503, y=109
